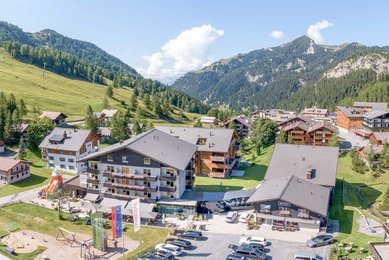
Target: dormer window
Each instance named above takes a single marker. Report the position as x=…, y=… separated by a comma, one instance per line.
x=146, y=160
x=124, y=159
x=109, y=158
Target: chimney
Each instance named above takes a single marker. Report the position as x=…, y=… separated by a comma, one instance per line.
x=309, y=174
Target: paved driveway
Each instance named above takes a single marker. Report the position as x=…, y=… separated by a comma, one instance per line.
x=216, y=247
x=351, y=139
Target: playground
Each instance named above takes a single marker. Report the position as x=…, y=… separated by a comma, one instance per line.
x=67, y=245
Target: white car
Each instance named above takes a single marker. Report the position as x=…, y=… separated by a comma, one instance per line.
x=175, y=250
x=245, y=217
x=251, y=239
x=231, y=216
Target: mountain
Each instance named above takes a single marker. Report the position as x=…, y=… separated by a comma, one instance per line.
x=290, y=76
x=84, y=61
x=80, y=49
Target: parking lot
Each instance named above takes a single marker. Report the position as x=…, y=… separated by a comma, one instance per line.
x=215, y=246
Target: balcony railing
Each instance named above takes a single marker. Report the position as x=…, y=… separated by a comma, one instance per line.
x=92, y=170
x=92, y=181
x=168, y=178
x=130, y=187
x=130, y=176
x=218, y=158
x=167, y=189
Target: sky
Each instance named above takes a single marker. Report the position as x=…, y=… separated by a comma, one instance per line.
x=164, y=39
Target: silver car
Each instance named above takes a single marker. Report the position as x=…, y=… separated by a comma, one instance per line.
x=231, y=216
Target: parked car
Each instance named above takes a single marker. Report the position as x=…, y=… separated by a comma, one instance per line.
x=320, y=240
x=252, y=239
x=195, y=235
x=248, y=252
x=256, y=246
x=245, y=217
x=148, y=256
x=306, y=256
x=185, y=244
x=236, y=257
x=231, y=216
x=175, y=250
x=163, y=255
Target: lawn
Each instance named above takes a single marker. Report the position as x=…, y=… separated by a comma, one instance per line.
x=253, y=176
x=46, y=221
x=39, y=176
x=346, y=200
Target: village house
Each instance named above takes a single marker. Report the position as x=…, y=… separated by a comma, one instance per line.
x=315, y=134
x=350, y=117
x=12, y=170
x=64, y=147
x=276, y=115
x=209, y=120
x=105, y=116
x=314, y=113
x=379, y=138
x=370, y=106
x=216, y=152
x=242, y=123
x=376, y=121
x=293, y=120
x=152, y=166
x=58, y=118
x=2, y=146
x=296, y=193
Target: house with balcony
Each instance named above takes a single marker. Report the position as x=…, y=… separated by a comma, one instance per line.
x=376, y=121
x=312, y=133
x=315, y=113
x=242, y=123
x=350, y=117
x=58, y=118
x=216, y=148
x=152, y=166
x=370, y=106
x=379, y=138
x=294, y=120
x=276, y=115
x=12, y=170
x=104, y=116
x=297, y=188
x=64, y=147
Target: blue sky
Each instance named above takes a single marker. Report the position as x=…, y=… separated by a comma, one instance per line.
x=136, y=31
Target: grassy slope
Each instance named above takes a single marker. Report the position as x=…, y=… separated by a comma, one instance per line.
x=253, y=176
x=371, y=189
x=57, y=93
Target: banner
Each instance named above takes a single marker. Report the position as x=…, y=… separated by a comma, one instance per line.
x=97, y=227
x=116, y=222
x=135, y=203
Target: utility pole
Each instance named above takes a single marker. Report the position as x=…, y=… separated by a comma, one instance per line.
x=44, y=68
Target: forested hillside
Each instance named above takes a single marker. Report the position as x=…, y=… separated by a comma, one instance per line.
x=80, y=60
x=291, y=76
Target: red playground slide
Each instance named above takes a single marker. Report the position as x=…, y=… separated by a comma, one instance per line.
x=55, y=183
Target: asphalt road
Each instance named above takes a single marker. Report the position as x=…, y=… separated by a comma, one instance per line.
x=216, y=247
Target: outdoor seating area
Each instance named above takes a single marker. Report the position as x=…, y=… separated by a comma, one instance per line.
x=285, y=226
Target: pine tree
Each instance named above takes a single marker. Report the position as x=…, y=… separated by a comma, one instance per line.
x=105, y=104
x=22, y=108
x=22, y=150
x=133, y=102
x=281, y=137
x=109, y=91
x=119, y=126
x=136, y=128
x=149, y=125
x=198, y=123
x=91, y=121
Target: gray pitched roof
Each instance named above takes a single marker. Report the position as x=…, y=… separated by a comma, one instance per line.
x=314, y=110
x=374, y=105
x=291, y=159
x=351, y=111
x=105, y=131
x=109, y=112
x=382, y=136
x=296, y=191
x=157, y=145
x=217, y=139
x=75, y=138
x=52, y=115
x=375, y=113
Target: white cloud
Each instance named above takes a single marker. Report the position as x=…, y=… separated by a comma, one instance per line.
x=188, y=51
x=314, y=30
x=277, y=34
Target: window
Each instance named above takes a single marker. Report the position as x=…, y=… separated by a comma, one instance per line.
x=265, y=208
x=146, y=160
x=124, y=159
x=51, y=165
x=50, y=151
x=93, y=165
x=71, y=160
x=283, y=204
x=62, y=152
x=110, y=168
x=170, y=171
x=147, y=172
x=51, y=158
x=62, y=166
x=109, y=158
x=71, y=167
x=125, y=170
x=201, y=141
x=61, y=159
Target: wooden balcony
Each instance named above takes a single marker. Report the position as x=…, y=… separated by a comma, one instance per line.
x=218, y=158
x=92, y=181
x=217, y=174
x=130, y=176
x=130, y=187
x=92, y=170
